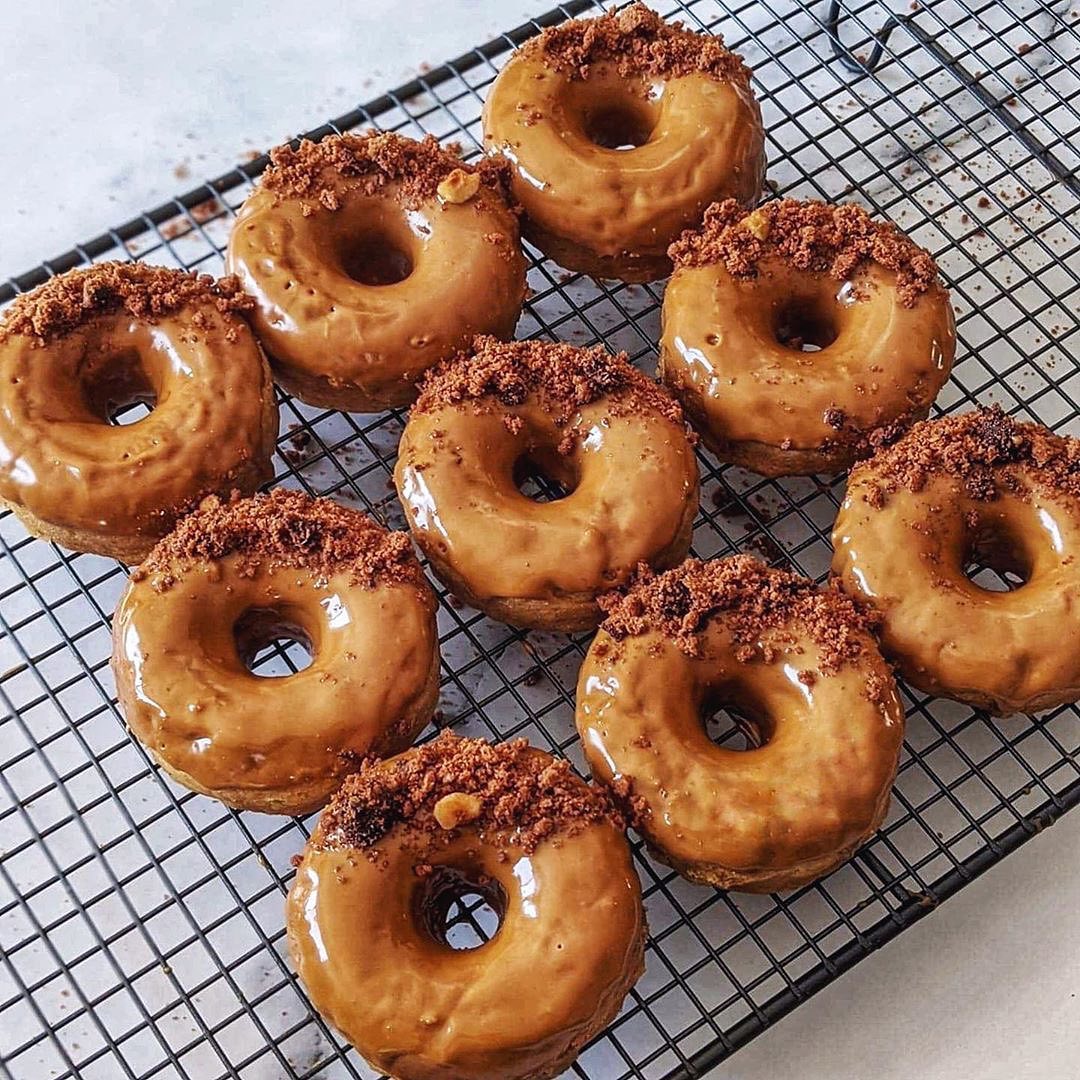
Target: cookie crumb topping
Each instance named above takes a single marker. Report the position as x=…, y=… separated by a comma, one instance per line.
x=824, y=238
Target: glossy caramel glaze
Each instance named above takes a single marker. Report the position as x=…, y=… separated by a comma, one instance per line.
x=337, y=342
x=780, y=411
x=759, y=820
x=1004, y=652
x=73, y=477
x=633, y=485
x=280, y=745
x=610, y=212
x=569, y=947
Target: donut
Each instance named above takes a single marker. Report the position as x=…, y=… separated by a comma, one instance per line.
x=975, y=487
x=796, y=335
x=399, y=844
x=372, y=257
x=591, y=423
x=87, y=343
x=620, y=130
x=233, y=577
x=801, y=667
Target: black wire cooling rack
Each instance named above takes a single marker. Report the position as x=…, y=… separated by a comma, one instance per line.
x=141, y=926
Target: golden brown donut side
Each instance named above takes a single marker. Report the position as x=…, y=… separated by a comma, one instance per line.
x=371, y=258
x=613, y=440
x=800, y=665
x=363, y=914
x=217, y=591
x=750, y=290
x=677, y=105
x=980, y=487
x=91, y=340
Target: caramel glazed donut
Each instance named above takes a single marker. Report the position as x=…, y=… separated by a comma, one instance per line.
x=978, y=488
x=620, y=131
x=93, y=340
x=234, y=577
x=587, y=420
x=406, y=838
x=372, y=257
x=751, y=293
x=799, y=664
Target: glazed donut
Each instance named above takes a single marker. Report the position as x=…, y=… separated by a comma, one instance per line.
x=591, y=422
x=800, y=664
x=620, y=130
x=233, y=577
x=371, y=257
x=399, y=844
x=90, y=341
x=971, y=487
x=751, y=291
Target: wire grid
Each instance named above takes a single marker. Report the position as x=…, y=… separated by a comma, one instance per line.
x=141, y=925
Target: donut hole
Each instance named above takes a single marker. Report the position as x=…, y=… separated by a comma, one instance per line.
x=994, y=558
x=460, y=909
x=117, y=389
x=544, y=475
x=271, y=643
x=804, y=326
x=619, y=125
x=733, y=721
x=375, y=258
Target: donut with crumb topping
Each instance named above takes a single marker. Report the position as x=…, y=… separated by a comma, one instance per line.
x=79, y=349
x=620, y=131
x=799, y=667
x=609, y=444
x=965, y=536
x=799, y=335
x=235, y=577
x=372, y=257
x=397, y=849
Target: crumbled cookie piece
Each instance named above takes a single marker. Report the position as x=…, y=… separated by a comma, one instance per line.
x=145, y=292
x=825, y=238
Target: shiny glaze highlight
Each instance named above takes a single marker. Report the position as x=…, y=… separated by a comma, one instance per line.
x=612, y=212
x=1004, y=652
x=759, y=820
x=337, y=342
x=771, y=408
x=75, y=478
x=275, y=744
x=521, y=1006
x=633, y=497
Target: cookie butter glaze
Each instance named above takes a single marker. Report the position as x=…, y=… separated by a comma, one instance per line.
x=523, y=1005
x=335, y=337
x=777, y=409
x=904, y=552
x=183, y=633
x=767, y=818
x=73, y=477
x=613, y=212
x=633, y=493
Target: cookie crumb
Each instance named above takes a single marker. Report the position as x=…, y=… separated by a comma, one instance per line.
x=640, y=44
x=284, y=528
x=986, y=450
x=320, y=174
x=148, y=293
x=522, y=797
x=503, y=374
x=814, y=237
x=752, y=599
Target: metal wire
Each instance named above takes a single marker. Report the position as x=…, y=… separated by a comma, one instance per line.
x=141, y=926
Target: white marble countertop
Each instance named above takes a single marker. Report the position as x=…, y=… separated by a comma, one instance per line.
x=111, y=107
